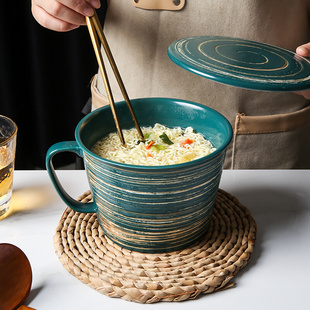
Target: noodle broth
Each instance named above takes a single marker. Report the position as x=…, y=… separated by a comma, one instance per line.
x=161, y=146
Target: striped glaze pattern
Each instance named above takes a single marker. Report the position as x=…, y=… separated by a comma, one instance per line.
x=242, y=63
x=147, y=208
x=157, y=210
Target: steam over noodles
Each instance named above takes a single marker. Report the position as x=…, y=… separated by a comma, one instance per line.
x=161, y=146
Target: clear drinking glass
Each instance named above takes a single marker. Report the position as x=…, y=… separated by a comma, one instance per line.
x=8, y=132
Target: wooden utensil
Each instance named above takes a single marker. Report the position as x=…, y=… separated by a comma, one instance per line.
x=95, y=28
x=15, y=277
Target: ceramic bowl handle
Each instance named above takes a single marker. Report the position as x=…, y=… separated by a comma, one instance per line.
x=68, y=146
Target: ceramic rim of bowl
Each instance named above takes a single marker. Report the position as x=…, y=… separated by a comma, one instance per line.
x=217, y=152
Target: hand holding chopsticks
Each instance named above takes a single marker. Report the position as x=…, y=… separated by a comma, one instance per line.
x=94, y=27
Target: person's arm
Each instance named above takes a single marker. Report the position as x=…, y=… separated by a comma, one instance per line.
x=63, y=15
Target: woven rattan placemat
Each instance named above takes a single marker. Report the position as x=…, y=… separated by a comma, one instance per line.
x=205, y=267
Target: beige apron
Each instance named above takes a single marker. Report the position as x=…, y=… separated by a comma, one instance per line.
x=271, y=129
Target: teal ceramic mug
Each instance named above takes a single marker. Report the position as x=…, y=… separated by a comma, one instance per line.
x=146, y=208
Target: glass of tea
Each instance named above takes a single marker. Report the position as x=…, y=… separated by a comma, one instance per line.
x=8, y=132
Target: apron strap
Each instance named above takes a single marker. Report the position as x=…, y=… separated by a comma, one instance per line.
x=172, y=5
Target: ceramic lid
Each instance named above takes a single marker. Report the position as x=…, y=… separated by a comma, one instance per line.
x=242, y=63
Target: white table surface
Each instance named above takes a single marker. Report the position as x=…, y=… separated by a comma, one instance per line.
x=277, y=277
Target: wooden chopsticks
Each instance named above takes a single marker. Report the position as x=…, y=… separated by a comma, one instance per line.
x=95, y=29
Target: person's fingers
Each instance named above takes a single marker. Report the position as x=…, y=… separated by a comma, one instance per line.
x=50, y=22
x=304, y=93
x=63, y=15
x=303, y=50
x=96, y=4
x=83, y=7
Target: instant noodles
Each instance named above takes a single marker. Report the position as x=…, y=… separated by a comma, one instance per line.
x=161, y=146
